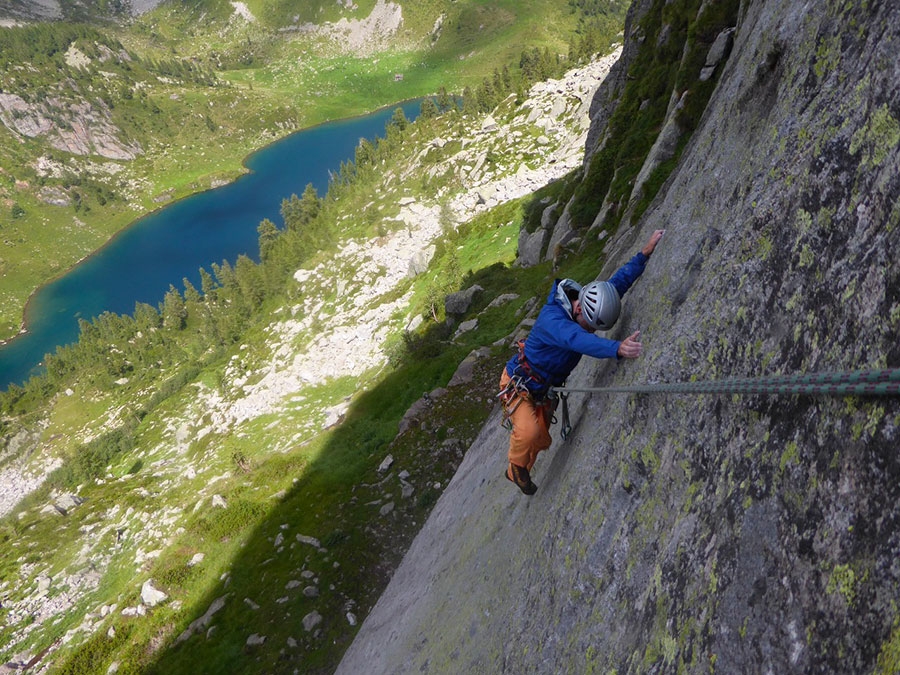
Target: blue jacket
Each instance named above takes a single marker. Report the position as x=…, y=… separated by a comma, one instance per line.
x=556, y=343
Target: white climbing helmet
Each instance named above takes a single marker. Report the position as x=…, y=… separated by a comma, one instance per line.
x=600, y=304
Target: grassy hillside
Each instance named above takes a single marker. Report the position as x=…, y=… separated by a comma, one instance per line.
x=163, y=481
x=191, y=89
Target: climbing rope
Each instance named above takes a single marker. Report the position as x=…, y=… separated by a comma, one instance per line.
x=880, y=382
x=876, y=382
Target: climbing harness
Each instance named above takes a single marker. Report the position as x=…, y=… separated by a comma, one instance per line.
x=516, y=391
x=524, y=366
x=874, y=382
x=511, y=397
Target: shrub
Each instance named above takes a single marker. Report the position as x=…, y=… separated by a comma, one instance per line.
x=91, y=459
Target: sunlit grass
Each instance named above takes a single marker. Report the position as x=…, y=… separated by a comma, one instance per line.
x=292, y=83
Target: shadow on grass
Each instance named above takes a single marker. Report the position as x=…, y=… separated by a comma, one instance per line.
x=312, y=568
x=311, y=534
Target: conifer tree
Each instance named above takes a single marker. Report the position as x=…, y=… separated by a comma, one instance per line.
x=486, y=97
x=268, y=234
x=399, y=120
x=225, y=277
x=290, y=212
x=174, y=311
x=250, y=281
x=428, y=109
x=207, y=285
x=146, y=317
x=444, y=102
x=297, y=211
x=310, y=204
x=365, y=153
x=191, y=294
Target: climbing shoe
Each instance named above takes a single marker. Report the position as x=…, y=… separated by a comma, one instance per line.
x=519, y=475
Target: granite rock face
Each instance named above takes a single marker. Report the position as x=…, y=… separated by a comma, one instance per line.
x=708, y=533
x=54, y=10
x=87, y=129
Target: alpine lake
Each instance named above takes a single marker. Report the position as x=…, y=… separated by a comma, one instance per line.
x=173, y=243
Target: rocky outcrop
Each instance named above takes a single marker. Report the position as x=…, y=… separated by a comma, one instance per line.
x=87, y=130
x=360, y=36
x=459, y=303
x=19, y=475
x=556, y=108
x=607, y=95
x=712, y=533
x=54, y=10
x=32, y=9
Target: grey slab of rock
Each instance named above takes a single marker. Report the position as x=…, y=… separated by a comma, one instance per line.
x=203, y=621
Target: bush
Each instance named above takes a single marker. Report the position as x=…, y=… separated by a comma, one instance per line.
x=221, y=524
x=97, y=650
x=335, y=538
x=91, y=459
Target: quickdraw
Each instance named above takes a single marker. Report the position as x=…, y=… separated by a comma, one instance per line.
x=566, y=428
x=511, y=397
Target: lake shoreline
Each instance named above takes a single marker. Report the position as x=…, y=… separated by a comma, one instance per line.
x=248, y=162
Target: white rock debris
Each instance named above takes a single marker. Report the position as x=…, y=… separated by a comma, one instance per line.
x=351, y=342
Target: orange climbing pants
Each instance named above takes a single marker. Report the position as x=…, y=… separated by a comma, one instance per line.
x=530, y=426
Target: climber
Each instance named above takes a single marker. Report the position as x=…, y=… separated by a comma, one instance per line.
x=562, y=332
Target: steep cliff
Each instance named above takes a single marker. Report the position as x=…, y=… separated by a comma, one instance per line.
x=708, y=533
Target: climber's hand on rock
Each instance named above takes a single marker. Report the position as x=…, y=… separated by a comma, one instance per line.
x=652, y=242
x=630, y=348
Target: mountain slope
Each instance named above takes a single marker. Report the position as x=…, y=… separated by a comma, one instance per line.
x=102, y=123
x=712, y=533
x=247, y=487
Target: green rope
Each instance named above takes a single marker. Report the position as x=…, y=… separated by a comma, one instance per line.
x=878, y=382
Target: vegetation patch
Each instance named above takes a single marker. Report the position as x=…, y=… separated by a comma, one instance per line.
x=658, y=76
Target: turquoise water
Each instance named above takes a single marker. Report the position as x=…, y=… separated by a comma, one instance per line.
x=173, y=243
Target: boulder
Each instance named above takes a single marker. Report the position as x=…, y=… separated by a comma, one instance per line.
x=465, y=327
x=719, y=51
x=458, y=303
x=312, y=541
x=255, y=640
x=420, y=261
x=466, y=369
x=531, y=244
x=203, y=621
x=502, y=300
x=150, y=595
x=311, y=620
x=562, y=235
